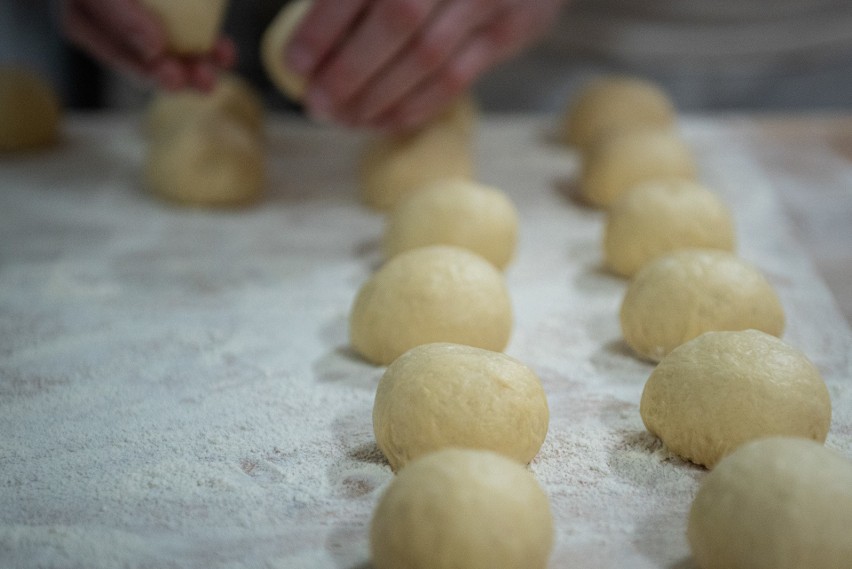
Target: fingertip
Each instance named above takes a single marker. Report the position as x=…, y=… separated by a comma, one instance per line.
x=169, y=75
x=203, y=75
x=224, y=53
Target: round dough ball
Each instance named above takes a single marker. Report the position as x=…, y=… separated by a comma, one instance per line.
x=232, y=97
x=616, y=103
x=663, y=215
x=192, y=26
x=449, y=395
x=455, y=212
x=462, y=508
x=274, y=44
x=777, y=503
x=625, y=158
x=29, y=111
x=439, y=293
x=211, y=161
x=396, y=165
x=683, y=294
x=722, y=389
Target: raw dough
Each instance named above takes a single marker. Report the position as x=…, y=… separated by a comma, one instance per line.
x=462, y=508
x=439, y=293
x=616, y=103
x=29, y=111
x=777, y=503
x=393, y=166
x=192, y=26
x=714, y=393
x=663, y=215
x=209, y=161
x=449, y=395
x=683, y=294
x=274, y=45
x=455, y=211
x=232, y=97
x=625, y=158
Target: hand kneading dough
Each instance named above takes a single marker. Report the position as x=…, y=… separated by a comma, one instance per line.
x=212, y=161
x=29, y=111
x=625, y=158
x=448, y=395
x=192, y=26
x=273, y=48
x=683, y=294
x=439, y=293
x=462, y=508
x=616, y=103
x=394, y=166
x=454, y=212
x=777, y=503
x=663, y=215
x=232, y=97
x=722, y=389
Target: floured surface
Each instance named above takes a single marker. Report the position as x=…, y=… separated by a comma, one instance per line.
x=176, y=390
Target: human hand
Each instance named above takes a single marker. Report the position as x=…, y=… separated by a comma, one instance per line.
x=393, y=64
x=126, y=36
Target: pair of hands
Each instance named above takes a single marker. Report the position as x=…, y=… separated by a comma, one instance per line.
x=386, y=64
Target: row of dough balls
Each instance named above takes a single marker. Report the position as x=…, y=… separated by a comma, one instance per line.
x=724, y=380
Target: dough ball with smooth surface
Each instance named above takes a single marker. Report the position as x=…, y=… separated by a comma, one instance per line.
x=454, y=212
x=663, y=215
x=681, y=295
x=273, y=49
x=192, y=26
x=722, y=389
x=211, y=161
x=462, y=508
x=616, y=103
x=448, y=395
x=776, y=503
x=625, y=158
x=439, y=293
x=30, y=111
x=232, y=97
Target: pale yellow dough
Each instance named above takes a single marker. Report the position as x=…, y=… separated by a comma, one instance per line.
x=722, y=389
x=274, y=44
x=210, y=161
x=777, y=503
x=625, y=158
x=454, y=212
x=615, y=103
x=439, y=293
x=449, y=395
x=683, y=294
x=462, y=508
x=660, y=216
x=30, y=111
x=192, y=26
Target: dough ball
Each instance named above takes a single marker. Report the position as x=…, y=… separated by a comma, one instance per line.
x=683, y=294
x=29, y=111
x=448, y=395
x=777, y=503
x=663, y=215
x=393, y=166
x=462, y=508
x=192, y=26
x=232, y=97
x=211, y=161
x=625, y=158
x=274, y=45
x=455, y=212
x=722, y=389
x=439, y=293
x=616, y=103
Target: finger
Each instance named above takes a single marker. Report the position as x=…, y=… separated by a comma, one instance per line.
x=201, y=74
x=322, y=28
x=170, y=74
x=224, y=53
x=385, y=29
x=90, y=36
x=126, y=22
